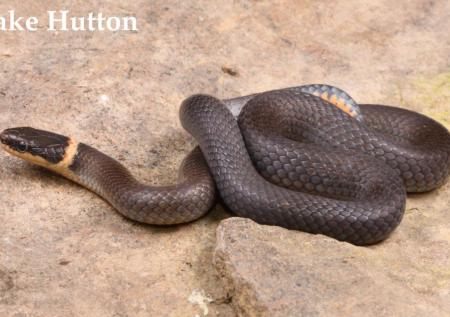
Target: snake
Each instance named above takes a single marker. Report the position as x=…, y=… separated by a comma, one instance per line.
x=305, y=158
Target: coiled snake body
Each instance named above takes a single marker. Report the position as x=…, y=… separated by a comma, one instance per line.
x=292, y=159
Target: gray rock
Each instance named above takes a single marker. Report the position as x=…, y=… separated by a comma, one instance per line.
x=271, y=271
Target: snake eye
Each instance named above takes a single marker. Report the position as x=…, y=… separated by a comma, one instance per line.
x=21, y=147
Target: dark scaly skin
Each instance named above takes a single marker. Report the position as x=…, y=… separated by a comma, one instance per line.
x=191, y=198
x=369, y=218
x=295, y=140
x=416, y=147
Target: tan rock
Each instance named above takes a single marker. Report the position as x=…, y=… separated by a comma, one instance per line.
x=271, y=271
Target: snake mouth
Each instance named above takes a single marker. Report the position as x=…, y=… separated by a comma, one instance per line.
x=12, y=141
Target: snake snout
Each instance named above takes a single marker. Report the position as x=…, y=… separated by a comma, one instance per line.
x=5, y=136
x=12, y=141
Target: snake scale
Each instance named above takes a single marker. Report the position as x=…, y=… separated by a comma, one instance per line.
x=306, y=158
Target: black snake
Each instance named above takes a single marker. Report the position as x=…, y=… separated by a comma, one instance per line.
x=291, y=159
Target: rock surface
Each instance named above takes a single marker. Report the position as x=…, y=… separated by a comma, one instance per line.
x=64, y=251
x=271, y=271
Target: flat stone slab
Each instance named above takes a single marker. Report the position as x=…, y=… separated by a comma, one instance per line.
x=271, y=271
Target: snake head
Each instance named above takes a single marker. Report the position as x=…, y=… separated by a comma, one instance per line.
x=34, y=145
